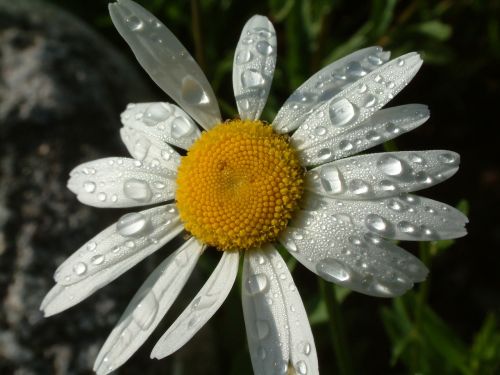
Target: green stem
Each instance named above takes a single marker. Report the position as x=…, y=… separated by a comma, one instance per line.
x=337, y=328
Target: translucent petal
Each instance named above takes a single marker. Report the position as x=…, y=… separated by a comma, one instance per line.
x=148, y=307
x=382, y=126
x=325, y=84
x=405, y=217
x=109, y=254
x=357, y=102
x=202, y=308
x=121, y=182
x=382, y=175
x=265, y=314
x=159, y=123
x=253, y=66
x=166, y=60
x=334, y=248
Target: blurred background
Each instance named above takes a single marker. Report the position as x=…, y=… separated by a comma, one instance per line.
x=65, y=75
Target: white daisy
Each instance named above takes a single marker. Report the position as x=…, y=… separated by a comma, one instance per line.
x=244, y=187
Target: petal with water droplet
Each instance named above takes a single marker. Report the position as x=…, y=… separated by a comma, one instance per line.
x=147, y=308
x=107, y=256
x=332, y=246
x=382, y=126
x=253, y=66
x=121, y=182
x=386, y=174
x=358, y=101
x=269, y=346
x=157, y=123
x=202, y=308
x=166, y=61
x=325, y=84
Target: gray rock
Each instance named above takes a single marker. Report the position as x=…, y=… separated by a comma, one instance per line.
x=62, y=88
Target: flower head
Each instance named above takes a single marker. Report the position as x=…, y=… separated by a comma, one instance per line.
x=245, y=186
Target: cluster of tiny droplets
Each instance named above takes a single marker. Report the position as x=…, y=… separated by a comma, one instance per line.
x=239, y=185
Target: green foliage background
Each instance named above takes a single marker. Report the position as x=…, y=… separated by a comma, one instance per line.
x=450, y=323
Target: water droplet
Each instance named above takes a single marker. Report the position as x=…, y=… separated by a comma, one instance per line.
x=256, y=284
x=359, y=187
x=373, y=136
x=354, y=69
x=362, y=88
x=407, y=227
x=181, y=259
x=391, y=128
x=244, y=56
x=390, y=165
x=97, y=259
x=320, y=130
x=423, y=178
x=341, y=111
x=378, y=78
x=91, y=246
x=324, y=154
x=304, y=347
x=387, y=185
x=262, y=328
x=181, y=127
x=261, y=352
x=155, y=113
x=89, y=187
x=375, y=60
x=192, y=92
x=80, y=268
x=301, y=367
x=145, y=312
x=141, y=148
x=134, y=224
x=263, y=33
x=400, y=62
x=290, y=245
x=332, y=270
x=165, y=154
x=264, y=48
x=331, y=179
x=345, y=145
x=369, y=101
x=395, y=205
x=376, y=223
x=102, y=197
x=415, y=158
x=134, y=23
x=251, y=78
x=447, y=158
x=137, y=190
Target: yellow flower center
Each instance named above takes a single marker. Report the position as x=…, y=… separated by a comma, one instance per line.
x=238, y=185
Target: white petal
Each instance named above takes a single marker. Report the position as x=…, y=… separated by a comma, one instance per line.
x=406, y=217
x=121, y=182
x=159, y=123
x=382, y=126
x=202, y=308
x=166, y=60
x=334, y=248
x=325, y=84
x=385, y=174
x=265, y=313
x=253, y=66
x=148, y=307
x=109, y=254
x=358, y=101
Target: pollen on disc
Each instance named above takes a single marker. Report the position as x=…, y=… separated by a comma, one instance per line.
x=239, y=185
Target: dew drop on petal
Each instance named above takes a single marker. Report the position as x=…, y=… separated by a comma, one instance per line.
x=89, y=186
x=80, y=268
x=256, y=284
x=376, y=223
x=192, y=92
x=137, y=190
x=243, y=56
x=264, y=48
x=331, y=179
x=251, y=78
x=390, y=165
x=145, y=312
x=332, y=270
x=181, y=128
x=134, y=224
x=341, y=112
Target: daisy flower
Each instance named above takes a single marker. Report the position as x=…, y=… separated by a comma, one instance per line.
x=245, y=186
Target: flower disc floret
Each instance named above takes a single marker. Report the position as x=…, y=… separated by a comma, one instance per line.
x=239, y=185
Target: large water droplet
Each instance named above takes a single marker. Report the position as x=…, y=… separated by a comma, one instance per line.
x=301, y=368
x=155, y=113
x=262, y=328
x=141, y=148
x=89, y=186
x=304, y=347
x=97, y=259
x=181, y=127
x=324, y=154
x=145, y=312
x=376, y=223
x=332, y=270
x=369, y=101
x=359, y=187
x=331, y=179
x=80, y=268
x=134, y=224
x=243, y=56
x=256, y=284
x=134, y=23
x=447, y=158
x=407, y=227
x=341, y=112
x=264, y=48
x=251, y=78
x=390, y=165
x=355, y=69
x=137, y=190
x=192, y=92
